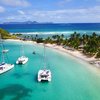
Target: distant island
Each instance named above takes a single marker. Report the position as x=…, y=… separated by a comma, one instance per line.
x=28, y=22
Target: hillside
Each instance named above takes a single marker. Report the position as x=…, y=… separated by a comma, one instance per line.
x=6, y=35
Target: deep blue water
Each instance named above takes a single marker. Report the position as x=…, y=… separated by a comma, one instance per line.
x=81, y=27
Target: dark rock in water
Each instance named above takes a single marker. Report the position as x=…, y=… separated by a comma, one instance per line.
x=18, y=75
x=16, y=90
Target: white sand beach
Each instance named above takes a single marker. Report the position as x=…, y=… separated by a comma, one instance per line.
x=91, y=60
x=77, y=54
x=18, y=40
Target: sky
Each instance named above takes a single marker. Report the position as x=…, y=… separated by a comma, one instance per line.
x=58, y=11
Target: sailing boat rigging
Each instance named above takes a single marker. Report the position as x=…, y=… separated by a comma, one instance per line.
x=34, y=51
x=4, y=67
x=44, y=74
x=22, y=59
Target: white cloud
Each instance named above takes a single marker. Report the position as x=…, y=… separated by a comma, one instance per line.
x=2, y=9
x=63, y=2
x=10, y=18
x=21, y=12
x=66, y=15
x=22, y=3
x=69, y=15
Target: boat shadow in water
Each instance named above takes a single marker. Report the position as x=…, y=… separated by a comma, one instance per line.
x=35, y=78
x=17, y=91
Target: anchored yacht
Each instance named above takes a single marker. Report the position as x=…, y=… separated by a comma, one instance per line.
x=22, y=59
x=4, y=67
x=44, y=74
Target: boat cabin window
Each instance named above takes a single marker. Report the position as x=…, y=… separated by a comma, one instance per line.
x=44, y=76
x=1, y=68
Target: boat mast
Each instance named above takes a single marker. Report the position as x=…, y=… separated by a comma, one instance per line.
x=22, y=50
x=3, y=59
x=44, y=57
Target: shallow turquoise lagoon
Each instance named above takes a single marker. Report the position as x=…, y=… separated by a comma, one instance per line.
x=72, y=79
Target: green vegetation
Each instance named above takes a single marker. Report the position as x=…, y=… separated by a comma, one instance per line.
x=98, y=54
x=6, y=35
x=18, y=34
x=90, y=44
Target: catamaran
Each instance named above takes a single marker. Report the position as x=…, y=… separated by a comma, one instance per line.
x=22, y=59
x=4, y=67
x=44, y=74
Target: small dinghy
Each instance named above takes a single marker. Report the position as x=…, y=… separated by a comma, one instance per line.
x=5, y=50
x=34, y=52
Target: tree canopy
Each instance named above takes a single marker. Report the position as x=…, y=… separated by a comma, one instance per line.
x=5, y=34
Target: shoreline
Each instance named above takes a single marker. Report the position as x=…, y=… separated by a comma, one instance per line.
x=77, y=54
x=18, y=40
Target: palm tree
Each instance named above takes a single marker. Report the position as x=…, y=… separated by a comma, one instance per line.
x=62, y=36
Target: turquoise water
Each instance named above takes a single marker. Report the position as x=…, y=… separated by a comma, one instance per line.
x=71, y=79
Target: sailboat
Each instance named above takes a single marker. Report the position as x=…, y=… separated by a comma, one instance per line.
x=44, y=74
x=4, y=67
x=22, y=59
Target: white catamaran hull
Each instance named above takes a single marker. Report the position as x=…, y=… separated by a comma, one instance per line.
x=22, y=60
x=5, y=67
x=43, y=73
